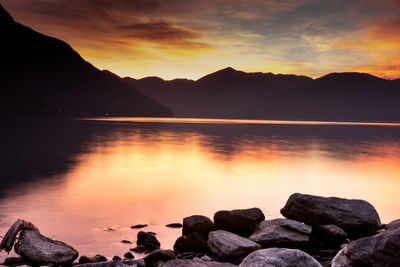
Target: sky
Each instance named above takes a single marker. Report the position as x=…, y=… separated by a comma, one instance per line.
x=189, y=39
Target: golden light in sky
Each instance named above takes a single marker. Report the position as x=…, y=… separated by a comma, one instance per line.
x=176, y=38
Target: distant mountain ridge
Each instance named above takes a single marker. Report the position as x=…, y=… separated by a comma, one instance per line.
x=44, y=75
x=229, y=93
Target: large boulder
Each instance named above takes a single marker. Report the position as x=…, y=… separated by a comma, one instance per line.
x=40, y=250
x=229, y=245
x=279, y=257
x=327, y=236
x=281, y=233
x=241, y=221
x=382, y=249
x=193, y=242
x=197, y=223
x=357, y=217
x=393, y=224
x=196, y=263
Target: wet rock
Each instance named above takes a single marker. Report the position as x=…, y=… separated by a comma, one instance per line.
x=241, y=221
x=196, y=263
x=281, y=233
x=97, y=258
x=193, y=242
x=174, y=225
x=38, y=249
x=271, y=257
x=148, y=240
x=14, y=261
x=129, y=255
x=126, y=241
x=138, y=249
x=329, y=236
x=160, y=255
x=116, y=258
x=382, y=249
x=357, y=217
x=138, y=226
x=197, y=223
x=229, y=245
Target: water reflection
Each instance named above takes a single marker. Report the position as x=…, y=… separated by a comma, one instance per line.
x=116, y=174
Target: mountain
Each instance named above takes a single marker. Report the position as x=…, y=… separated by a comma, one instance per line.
x=43, y=75
x=337, y=97
x=220, y=94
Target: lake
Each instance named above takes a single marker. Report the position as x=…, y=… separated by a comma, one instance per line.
x=85, y=182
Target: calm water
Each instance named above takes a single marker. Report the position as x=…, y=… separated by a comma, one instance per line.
x=120, y=172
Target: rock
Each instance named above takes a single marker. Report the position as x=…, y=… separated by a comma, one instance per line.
x=281, y=233
x=229, y=245
x=126, y=241
x=97, y=258
x=242, y=222
x=193, y=242
x=383, y=249
x=14, y=261
x=279, y=257
x=125, y=263
x=197, y=223
x=129, y=255
x=328, y=235
x=148, y=241
x=138, y=249
x=138, y=226
x=116, y=258
x=174, y=225
x=159, y=255
x=357, y=217
x=38, y=249
x=188, y=255
x=196, y=263
x=392, y=225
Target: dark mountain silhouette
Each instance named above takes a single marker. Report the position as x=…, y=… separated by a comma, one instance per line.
x=44, y=75
x=236, y=94
x=220, y=94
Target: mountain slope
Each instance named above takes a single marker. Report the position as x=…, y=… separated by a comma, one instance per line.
x=41, y=74
x=219, y=94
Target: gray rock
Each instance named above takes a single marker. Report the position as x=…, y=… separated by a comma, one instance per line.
x=241, y=221
x=197, y=223
x=357, y=217
x=38, y=249
x=382, y=249
x=193, y=242
x=281, y=233
x=125, y=263
x=229, y=245
x=196, y=263
x=279, y=257
x=328, y=235
x=392, y=225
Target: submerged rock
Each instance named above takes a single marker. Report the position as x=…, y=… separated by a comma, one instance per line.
x=242, y=222
x=138, y=226
x=197, y=223
x=196, y=263
x=174, y=225
x=193, y=242
x=38, y=249
x=357, y=217
x=229, y=245
x=282, y=257
x=281, y=233
x=148, y=240
x=382, y=249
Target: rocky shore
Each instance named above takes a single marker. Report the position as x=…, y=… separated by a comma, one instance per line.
x=315, y=231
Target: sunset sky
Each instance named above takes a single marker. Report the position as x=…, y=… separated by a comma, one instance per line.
x=181, y=38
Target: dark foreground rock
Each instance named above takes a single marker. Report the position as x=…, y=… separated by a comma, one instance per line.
x=229, y=245
x=281, y=233
x=148, y=241
x=196, y=263
x=158, y=257
x=327, y=236
x=97, y=258
x=38, y=249
x=281, y=257
x=197, y=223
x=193, y=242
x=382, y=249
x=357, y=217
x=242, y=222
x=117, y=263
